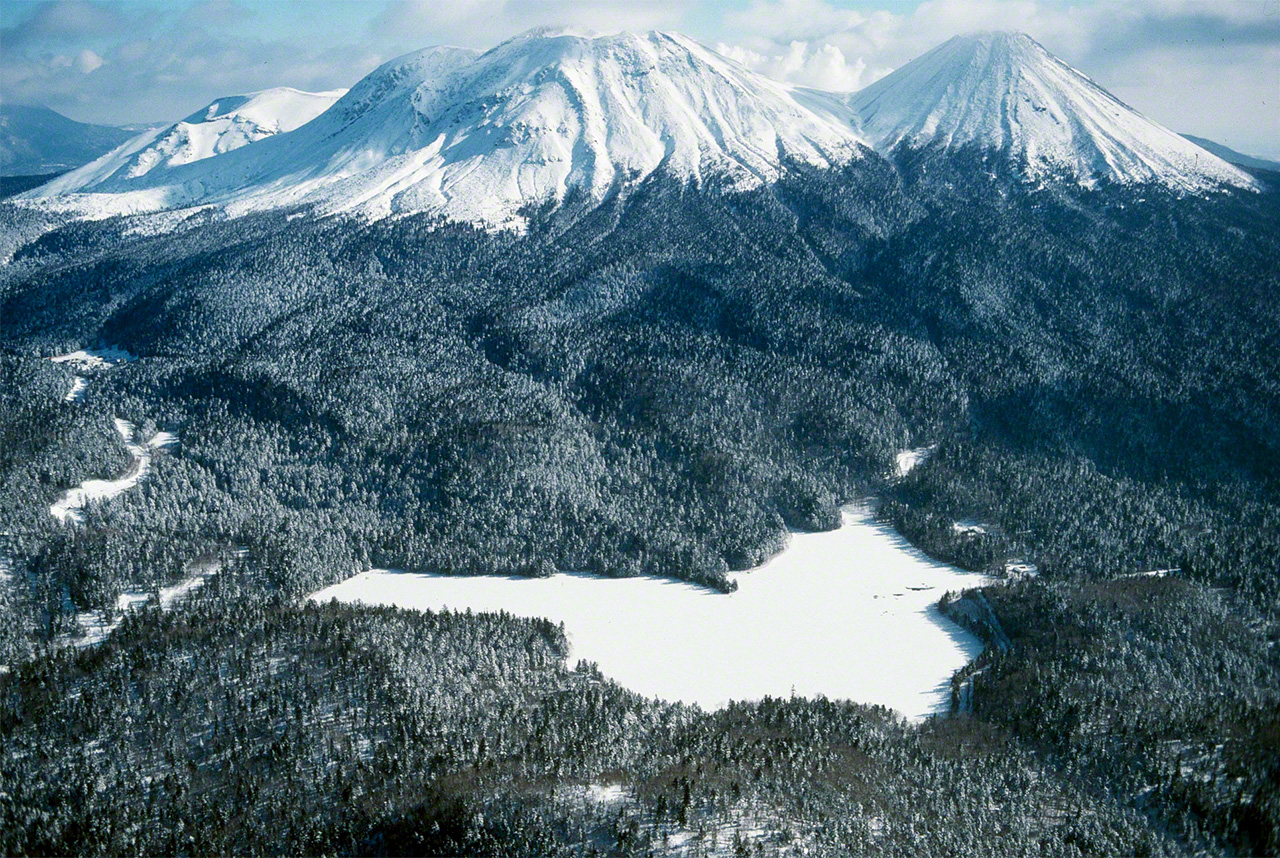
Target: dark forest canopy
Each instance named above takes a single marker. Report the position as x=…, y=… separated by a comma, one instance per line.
x=661, y=385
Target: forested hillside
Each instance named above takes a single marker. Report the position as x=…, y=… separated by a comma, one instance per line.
x=659, y=385
x=268, y=728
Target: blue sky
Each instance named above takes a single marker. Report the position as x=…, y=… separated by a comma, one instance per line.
x=1207, y=68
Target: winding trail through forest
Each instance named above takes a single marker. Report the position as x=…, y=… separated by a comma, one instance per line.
x=95, y=626
x=71, y=506
x=88, y=361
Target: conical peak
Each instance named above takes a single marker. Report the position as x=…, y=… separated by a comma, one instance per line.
x=993, y=51
x=989, y=38
x=1004, y=92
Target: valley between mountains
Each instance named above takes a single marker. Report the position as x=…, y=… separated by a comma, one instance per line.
x=594, y=341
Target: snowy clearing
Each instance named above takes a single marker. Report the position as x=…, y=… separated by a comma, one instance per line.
x=89, y=360
x=70, y=507
x=95, y=358
x=1018, y=570
x=850, y=614
x=96, y=626
x=908, y=460
x=970, y=527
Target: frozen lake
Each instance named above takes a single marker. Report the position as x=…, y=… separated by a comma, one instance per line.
x=850, y=614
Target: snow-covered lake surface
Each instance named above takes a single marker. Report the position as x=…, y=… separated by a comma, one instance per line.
x=850, y=614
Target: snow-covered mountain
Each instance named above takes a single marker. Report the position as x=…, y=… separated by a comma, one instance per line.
x=37, y=140
x=477, y=137
x=1003, y=91
x=222, y=126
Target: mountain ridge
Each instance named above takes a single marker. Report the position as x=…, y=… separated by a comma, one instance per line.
x=480, y=136
x=223, y=125
x=36, y=140
x=1232, y=156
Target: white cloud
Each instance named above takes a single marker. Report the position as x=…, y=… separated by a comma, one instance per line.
x=823, y=66
x=88, y=62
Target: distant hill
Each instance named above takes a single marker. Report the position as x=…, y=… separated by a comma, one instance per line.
x=11, y=185
x=37, y=140
x=217, y=128
x=1231, y=155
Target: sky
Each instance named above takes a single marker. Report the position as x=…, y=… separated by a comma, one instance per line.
x=1205, y=67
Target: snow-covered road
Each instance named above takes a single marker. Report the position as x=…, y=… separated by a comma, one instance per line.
x=70, y=507
x=88, y=361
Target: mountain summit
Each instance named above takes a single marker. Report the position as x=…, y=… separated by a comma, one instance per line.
x=478, y=137
x=221, y=126
x=1004, y=91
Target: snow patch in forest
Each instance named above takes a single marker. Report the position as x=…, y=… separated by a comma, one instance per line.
x=89, y=360
x=1153, y=573
x=1018, y=570
x=163, y=440
x=78, y=387
x=908, y=460
x=606, y=793
x=97, y=626
x=849, y=614
x=969, y=527
x=70, y=507
x=95, y=358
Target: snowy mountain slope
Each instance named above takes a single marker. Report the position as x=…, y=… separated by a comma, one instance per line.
x=38, y=140
x=1003, y=91
x=222, y=126
x=478, y=137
